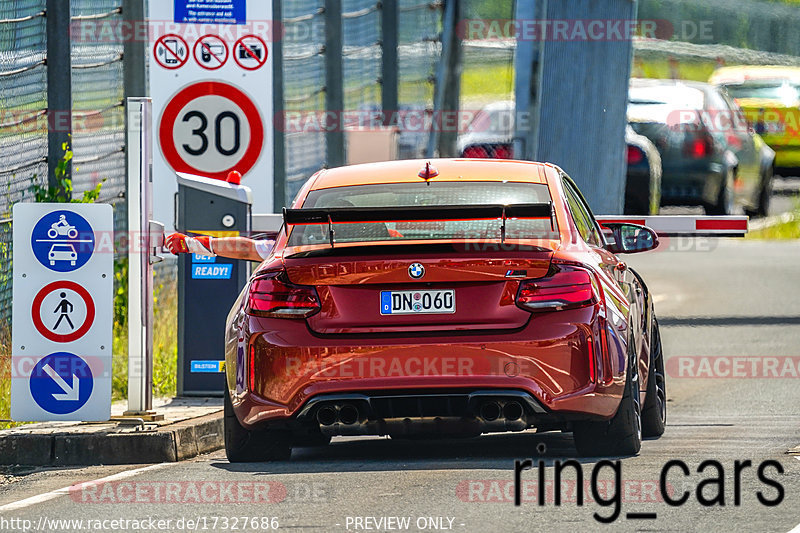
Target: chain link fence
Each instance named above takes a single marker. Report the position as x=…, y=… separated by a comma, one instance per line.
x=419, y=27
x=98, y=109
x=97, y=112
x=23, y=120
x=304, y=87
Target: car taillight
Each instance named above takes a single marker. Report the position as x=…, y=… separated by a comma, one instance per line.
x=489, y=151
x=567, y=287
x=272, y=296
x=502, y=151
x=635, y=155
x=478, y=152
x=699, y=147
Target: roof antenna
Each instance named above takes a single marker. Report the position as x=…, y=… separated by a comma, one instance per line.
x=428, y=172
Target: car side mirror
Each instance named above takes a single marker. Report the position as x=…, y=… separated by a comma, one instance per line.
x=630, y=238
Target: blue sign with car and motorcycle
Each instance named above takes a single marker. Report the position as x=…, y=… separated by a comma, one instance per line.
x=62, y=241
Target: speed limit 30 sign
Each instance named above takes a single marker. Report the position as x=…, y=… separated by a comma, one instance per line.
x=211, y=80
x=210, y=128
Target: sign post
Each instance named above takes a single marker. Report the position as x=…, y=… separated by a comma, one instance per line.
x=211, y=83
x=63, y=312
x=146, y=239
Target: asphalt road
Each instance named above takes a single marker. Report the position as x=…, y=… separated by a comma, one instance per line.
x=727, y=308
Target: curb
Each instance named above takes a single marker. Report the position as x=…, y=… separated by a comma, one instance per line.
x=175, y=442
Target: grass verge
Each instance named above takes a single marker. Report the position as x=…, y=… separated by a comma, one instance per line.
x=5, y=372
x=785, y=230
x=165, y=346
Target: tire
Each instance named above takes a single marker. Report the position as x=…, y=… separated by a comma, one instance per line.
x=724, y=204
x=765, y=196
x=622, y=435
x=312, y=440
x=654, y=410
x=636, y=205
x=244, y=445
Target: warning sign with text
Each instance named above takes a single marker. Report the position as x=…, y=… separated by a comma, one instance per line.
x=211, y=11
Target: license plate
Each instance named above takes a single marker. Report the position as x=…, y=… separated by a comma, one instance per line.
x=418, y=302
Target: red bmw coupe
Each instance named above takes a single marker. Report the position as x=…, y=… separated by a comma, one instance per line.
x=449, y=297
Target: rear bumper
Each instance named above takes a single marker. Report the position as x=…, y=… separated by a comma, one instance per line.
x=690, y=187
x=547, y=359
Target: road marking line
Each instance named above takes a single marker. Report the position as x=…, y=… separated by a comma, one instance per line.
x=41, y=498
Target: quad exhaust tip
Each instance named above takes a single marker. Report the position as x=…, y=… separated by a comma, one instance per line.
x=490, y=411
x=327, y=415
x=347, y=414
x=512, y=411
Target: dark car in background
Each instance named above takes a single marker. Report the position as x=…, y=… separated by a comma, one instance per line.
x=490, y=136
x=709, y=154
x=643, y=178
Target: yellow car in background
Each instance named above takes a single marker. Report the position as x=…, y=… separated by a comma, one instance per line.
x=770, y=99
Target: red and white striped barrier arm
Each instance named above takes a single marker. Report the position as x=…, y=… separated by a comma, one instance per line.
x=685, y=225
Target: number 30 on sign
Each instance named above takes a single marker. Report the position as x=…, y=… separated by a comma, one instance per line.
x=210, y=128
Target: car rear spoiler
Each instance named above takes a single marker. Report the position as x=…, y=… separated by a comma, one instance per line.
x=338, y=215
x=685, y=225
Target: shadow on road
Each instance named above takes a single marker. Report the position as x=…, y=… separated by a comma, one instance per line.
x=730, y=321
x=383, y=454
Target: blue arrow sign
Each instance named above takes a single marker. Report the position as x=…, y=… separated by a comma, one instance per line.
x=61, y=383
x=62, y=241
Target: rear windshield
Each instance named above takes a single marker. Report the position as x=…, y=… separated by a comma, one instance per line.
x=659, y=103
x=775, y=91
x=420, y=194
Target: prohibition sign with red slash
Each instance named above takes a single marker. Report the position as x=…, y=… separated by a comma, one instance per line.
x=170, y=47
x=36, y=310
x=250, y=49
x=211, y=52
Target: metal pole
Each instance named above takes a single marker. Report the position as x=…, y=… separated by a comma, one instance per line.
x=279, y=199
x=389, y=61
x=442, y=75
x=141, y=256
x=134, y=73
x=334, y=83
x=59, y=86
x=448, y=138
x=134, y=51
x=528, y=64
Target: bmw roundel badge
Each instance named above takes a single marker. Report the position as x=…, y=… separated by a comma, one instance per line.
x=416, y=270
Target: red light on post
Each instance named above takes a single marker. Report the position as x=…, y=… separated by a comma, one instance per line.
x=234, y=177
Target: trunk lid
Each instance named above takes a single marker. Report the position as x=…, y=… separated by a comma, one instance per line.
x=350, y=282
